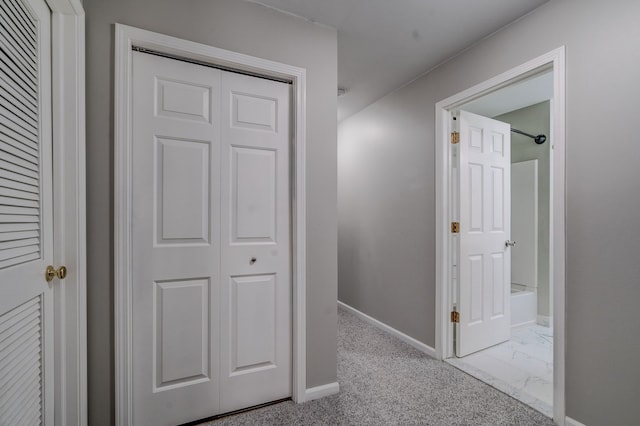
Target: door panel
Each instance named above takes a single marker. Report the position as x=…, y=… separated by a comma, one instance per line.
x=256, y=247
x=182, y=164
x=211, y=241
x=184, y=100
x=26, y=215
x=253, y=112
x=176, y=238
x=182, y=332
x=253, y=312
x=498, y=282
x=253, y=195
x=484, y=266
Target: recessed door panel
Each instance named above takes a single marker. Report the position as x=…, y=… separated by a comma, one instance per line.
x=476, y=266
x=497, y=143
x=180, y=99
x=476, y=195
x=254, y=112
x=253, y=313
x=253, y=195
x=497, y=199
x=182, y=332
x=475, y=139
x=183, y=195
x=497, y=282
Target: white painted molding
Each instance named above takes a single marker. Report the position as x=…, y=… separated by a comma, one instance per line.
x=558, y=221
x=571, y=422
x=125, y=38
x=322, y=391
x=444, y=298
x=69, y=183
x=422, y=347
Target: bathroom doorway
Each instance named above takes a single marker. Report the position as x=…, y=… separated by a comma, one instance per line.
x=521, y=365
x=533, y=296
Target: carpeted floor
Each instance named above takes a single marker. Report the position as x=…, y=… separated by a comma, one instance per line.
x=384, y=381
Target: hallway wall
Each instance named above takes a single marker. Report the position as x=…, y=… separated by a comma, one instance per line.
x=386, y=176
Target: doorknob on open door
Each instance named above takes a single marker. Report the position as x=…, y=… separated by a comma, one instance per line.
x=509, y=243
x=52, y=272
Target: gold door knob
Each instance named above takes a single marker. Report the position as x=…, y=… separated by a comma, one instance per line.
x=52, y=272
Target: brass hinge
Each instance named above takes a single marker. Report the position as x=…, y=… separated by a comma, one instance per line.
x=455, y=227
x=455, y=316
x=455, y=137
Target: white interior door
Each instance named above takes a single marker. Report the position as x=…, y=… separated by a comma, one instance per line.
x=484, y=259
x=175, y=234
x=256, y=244
x=211, y=326
x=524, y=223
x=26, y=219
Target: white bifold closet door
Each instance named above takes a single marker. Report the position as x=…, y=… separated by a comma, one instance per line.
x=26, y=218
x=211, y=241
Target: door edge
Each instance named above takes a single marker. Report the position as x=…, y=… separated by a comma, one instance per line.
x=69, y=207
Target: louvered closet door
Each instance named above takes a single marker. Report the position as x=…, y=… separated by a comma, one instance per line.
x=26, y=300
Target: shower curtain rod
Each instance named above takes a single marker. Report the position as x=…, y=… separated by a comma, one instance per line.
x=540, y=139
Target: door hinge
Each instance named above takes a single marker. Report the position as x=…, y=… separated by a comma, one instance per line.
x=455, y=137
x=455, y=227
x=455, y=316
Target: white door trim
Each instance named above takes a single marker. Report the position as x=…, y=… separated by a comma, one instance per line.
x=444, y=329
x=125, y=38
x=69, y=210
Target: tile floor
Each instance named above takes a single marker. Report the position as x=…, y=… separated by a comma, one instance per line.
x=521, y=367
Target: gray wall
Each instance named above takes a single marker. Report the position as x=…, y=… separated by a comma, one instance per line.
x=242, y=27
x=387, y=200
x=386, y=211
x=535, y=119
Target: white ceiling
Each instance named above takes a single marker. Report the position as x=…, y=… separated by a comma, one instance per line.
x=536, y=89
x=383, y=44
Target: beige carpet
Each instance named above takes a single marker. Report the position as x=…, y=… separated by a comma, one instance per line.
x=384, y=381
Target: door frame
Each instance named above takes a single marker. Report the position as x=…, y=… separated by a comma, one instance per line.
x=69, y=210
x=555, y=60
x=125, y=38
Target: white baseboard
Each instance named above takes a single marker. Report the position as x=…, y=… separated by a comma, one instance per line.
x=545, y=321
x=382, y=326
x=570, y=422
x=322, y=391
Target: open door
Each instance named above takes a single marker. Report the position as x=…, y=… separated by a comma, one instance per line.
x=484, y=257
